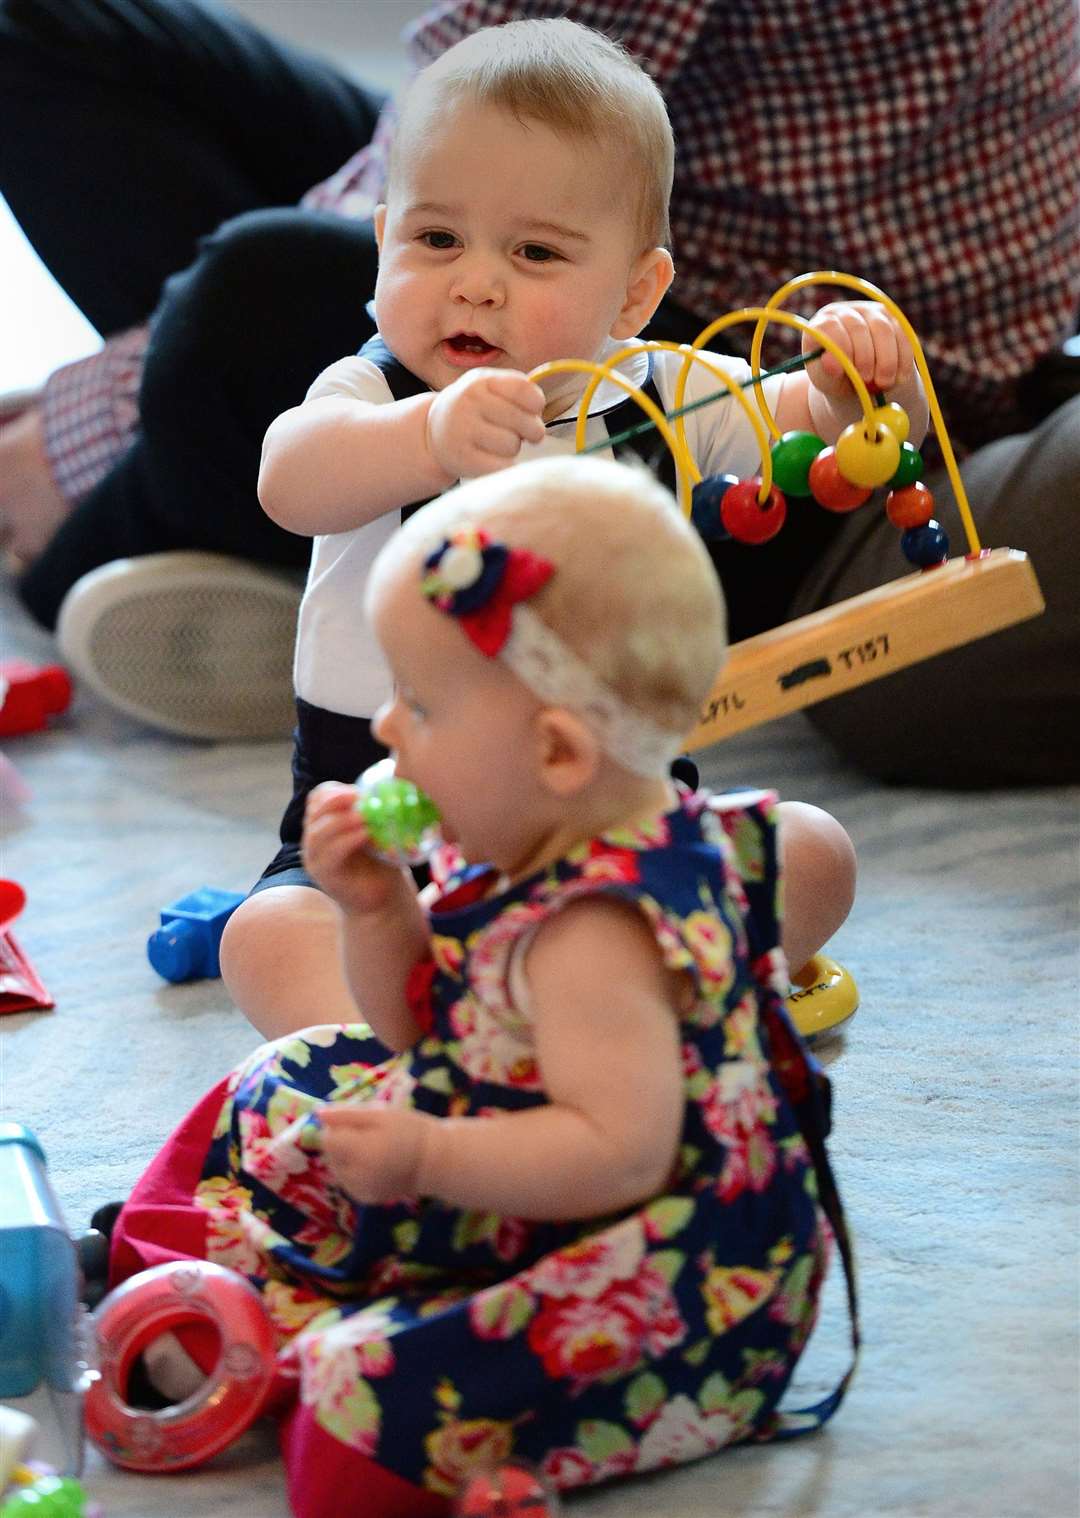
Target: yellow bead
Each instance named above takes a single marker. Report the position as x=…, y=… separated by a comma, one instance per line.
x=867, y=461
x=895, y=418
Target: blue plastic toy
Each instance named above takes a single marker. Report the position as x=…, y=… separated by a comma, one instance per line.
x=186, y=945
x=40, y=1312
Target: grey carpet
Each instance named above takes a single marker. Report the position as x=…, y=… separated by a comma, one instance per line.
x=955, y=1094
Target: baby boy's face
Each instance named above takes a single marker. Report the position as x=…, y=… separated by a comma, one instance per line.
x=502, y=244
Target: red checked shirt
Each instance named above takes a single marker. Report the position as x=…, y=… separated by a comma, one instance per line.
x=932, y=148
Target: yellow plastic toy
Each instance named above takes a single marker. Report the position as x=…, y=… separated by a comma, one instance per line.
x=824, y=996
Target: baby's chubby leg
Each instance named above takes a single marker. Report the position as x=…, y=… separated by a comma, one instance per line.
x=818, y=871
x=281, y=961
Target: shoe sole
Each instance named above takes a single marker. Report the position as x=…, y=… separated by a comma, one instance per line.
x=194, y=644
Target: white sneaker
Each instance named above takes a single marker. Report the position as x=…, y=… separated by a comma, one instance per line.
x=196, y=644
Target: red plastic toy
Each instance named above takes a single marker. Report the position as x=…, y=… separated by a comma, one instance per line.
x=511, y=1490
x=30, y=694
x=20, y=988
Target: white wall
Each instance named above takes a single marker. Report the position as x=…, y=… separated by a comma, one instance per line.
x=361, y=35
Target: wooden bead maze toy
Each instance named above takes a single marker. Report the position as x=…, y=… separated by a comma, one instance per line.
x=948, y=602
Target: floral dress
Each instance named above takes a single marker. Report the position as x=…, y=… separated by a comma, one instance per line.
x=426, y=1339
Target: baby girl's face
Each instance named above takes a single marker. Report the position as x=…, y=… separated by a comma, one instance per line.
x=459, y=724
x=502, y=244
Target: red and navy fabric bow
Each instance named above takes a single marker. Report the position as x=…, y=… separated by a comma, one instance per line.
x=479, y=582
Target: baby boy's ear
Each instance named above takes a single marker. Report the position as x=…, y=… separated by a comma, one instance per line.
x=378, y=218
x=567, y=750
x=650, y=276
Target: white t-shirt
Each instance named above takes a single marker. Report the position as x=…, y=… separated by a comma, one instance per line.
x=338, y=664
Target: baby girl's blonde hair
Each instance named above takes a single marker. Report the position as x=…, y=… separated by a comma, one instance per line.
x=572, y=79
x=634, y=593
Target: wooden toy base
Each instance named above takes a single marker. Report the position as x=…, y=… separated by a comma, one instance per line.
x=861, y=639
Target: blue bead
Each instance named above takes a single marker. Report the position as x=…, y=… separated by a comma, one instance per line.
x=926, y=545
x=705, y=506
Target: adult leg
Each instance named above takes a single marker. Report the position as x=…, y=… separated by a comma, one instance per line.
x=1006, y=709
x=272, y=298
x=133, y=127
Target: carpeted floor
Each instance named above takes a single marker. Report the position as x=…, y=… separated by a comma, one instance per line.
x=956, y=1102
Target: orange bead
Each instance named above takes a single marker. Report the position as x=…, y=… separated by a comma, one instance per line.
x=911, y=507
x=830, y=489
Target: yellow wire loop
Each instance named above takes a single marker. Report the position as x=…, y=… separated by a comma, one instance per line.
x=687, y=472
x=872, y=292
x=764, y=315
x=600, y=371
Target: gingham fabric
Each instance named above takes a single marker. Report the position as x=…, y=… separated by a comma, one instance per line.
x=932, y=149
x=90, y=411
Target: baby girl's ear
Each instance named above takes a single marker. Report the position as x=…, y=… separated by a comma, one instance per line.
x=567, y=751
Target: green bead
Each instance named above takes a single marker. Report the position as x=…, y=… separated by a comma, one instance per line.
x=909, y=469
x=791, y=460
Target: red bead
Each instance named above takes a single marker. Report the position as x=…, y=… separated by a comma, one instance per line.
x=829, y=487
x=746, y=518
x=911, y=507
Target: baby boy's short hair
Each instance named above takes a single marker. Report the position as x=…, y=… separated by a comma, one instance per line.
x=577, y=82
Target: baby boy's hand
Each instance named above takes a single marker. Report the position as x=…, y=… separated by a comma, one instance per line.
x=478, y=424
x=872, y=340
x=373, y=1152
x=336, y=854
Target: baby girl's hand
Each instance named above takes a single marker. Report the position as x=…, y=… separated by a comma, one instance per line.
x=336, y=854
x=871, y=339
x=373, y=1152
x=478, y=424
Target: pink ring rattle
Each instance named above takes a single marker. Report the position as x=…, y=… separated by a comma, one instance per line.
x=233, y=1394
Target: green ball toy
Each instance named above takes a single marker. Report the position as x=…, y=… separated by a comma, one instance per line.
x=47, y=1497
x=402, y=823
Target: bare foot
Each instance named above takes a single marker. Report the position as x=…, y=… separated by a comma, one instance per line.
x=31, y=506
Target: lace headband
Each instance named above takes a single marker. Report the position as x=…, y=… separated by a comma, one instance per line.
x=483, y=585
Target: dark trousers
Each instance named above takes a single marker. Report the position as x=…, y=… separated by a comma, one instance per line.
x=146, y=137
